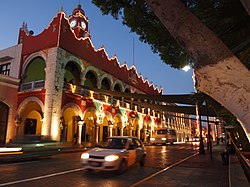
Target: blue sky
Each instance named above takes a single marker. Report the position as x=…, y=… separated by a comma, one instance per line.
x=116, y=38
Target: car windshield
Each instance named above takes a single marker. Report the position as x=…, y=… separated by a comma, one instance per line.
x=161, y=131
x=116, y=143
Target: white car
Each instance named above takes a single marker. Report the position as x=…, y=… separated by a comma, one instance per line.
x=118, y=153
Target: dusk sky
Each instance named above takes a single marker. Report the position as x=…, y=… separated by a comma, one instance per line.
x=116, y=38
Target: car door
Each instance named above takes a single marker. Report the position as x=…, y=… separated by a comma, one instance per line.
x=139, y=150
x=131, y=153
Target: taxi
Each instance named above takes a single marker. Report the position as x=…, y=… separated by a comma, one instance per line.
x=116, y=154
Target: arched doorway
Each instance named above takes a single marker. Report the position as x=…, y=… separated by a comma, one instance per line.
x=104, y=129
x=31, y=118
x=117, y=131
x=33, y=123
x=70, y=125
x=88, y=131
x=4, y=111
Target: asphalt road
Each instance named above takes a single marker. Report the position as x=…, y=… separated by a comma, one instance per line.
x=65, y=170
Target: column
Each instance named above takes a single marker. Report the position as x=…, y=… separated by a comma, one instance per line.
x=79, y=140
x=97, y=126
x=130, y=131
x=138, y=133
x=111, y=130
x=145, y=134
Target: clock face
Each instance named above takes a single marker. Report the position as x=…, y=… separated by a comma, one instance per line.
x=83, y=24
x=73, y=23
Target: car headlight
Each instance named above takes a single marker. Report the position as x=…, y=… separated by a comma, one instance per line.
x=111, y=158
x=85, y=156
x=164, y=139
x=152, y=139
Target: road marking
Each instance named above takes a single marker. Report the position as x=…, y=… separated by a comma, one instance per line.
x=161, y=171
x=41, y=177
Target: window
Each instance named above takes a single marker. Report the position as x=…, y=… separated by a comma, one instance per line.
x=5, y=69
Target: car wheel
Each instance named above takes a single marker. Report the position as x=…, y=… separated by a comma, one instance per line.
x=142, y=162
x=123, y=166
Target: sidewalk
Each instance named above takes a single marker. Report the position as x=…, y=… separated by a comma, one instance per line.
x=198, y=171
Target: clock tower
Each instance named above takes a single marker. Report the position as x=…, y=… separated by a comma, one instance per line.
x=79, y=23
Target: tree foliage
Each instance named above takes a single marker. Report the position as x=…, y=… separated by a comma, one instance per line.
x=226, y=18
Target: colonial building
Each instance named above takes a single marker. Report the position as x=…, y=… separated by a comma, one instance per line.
x=49, y=86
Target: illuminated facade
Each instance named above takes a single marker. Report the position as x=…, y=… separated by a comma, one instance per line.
x=48, y=71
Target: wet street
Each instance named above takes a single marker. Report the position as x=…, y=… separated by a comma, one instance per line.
x=65, y=169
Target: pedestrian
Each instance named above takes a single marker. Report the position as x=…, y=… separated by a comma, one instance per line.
x=229, y=149
x=225, y=156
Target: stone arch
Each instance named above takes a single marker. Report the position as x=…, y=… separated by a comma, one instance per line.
x=118, y=124
x=91, y=77
x=127, y=89
x=89, y=118
x=119, y=83
x=109, y=77
x=34, y=71
x=74, y=106
x=22, y=105
x=31, y=57
x=106, y=80
x=69, y=123
x=76, y=60
x=72, y=73
x=31, y=112
x=105, y=126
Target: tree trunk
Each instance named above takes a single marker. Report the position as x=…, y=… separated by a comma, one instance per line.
x=218, y=72
x=246, y=4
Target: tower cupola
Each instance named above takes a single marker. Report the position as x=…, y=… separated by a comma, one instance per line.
x=79, y=23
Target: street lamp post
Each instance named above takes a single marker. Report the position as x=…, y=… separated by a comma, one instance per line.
x=217, y=131
x=201, y=147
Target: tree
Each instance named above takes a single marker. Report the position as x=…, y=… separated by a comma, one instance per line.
x=225, y=18
x=219, y=72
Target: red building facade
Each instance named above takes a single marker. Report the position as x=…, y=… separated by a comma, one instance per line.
x=53, y=72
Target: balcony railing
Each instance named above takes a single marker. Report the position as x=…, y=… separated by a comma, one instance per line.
x=34, y=85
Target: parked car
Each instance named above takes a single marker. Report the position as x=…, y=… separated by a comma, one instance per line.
x=163, y=136
x=117, y=153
